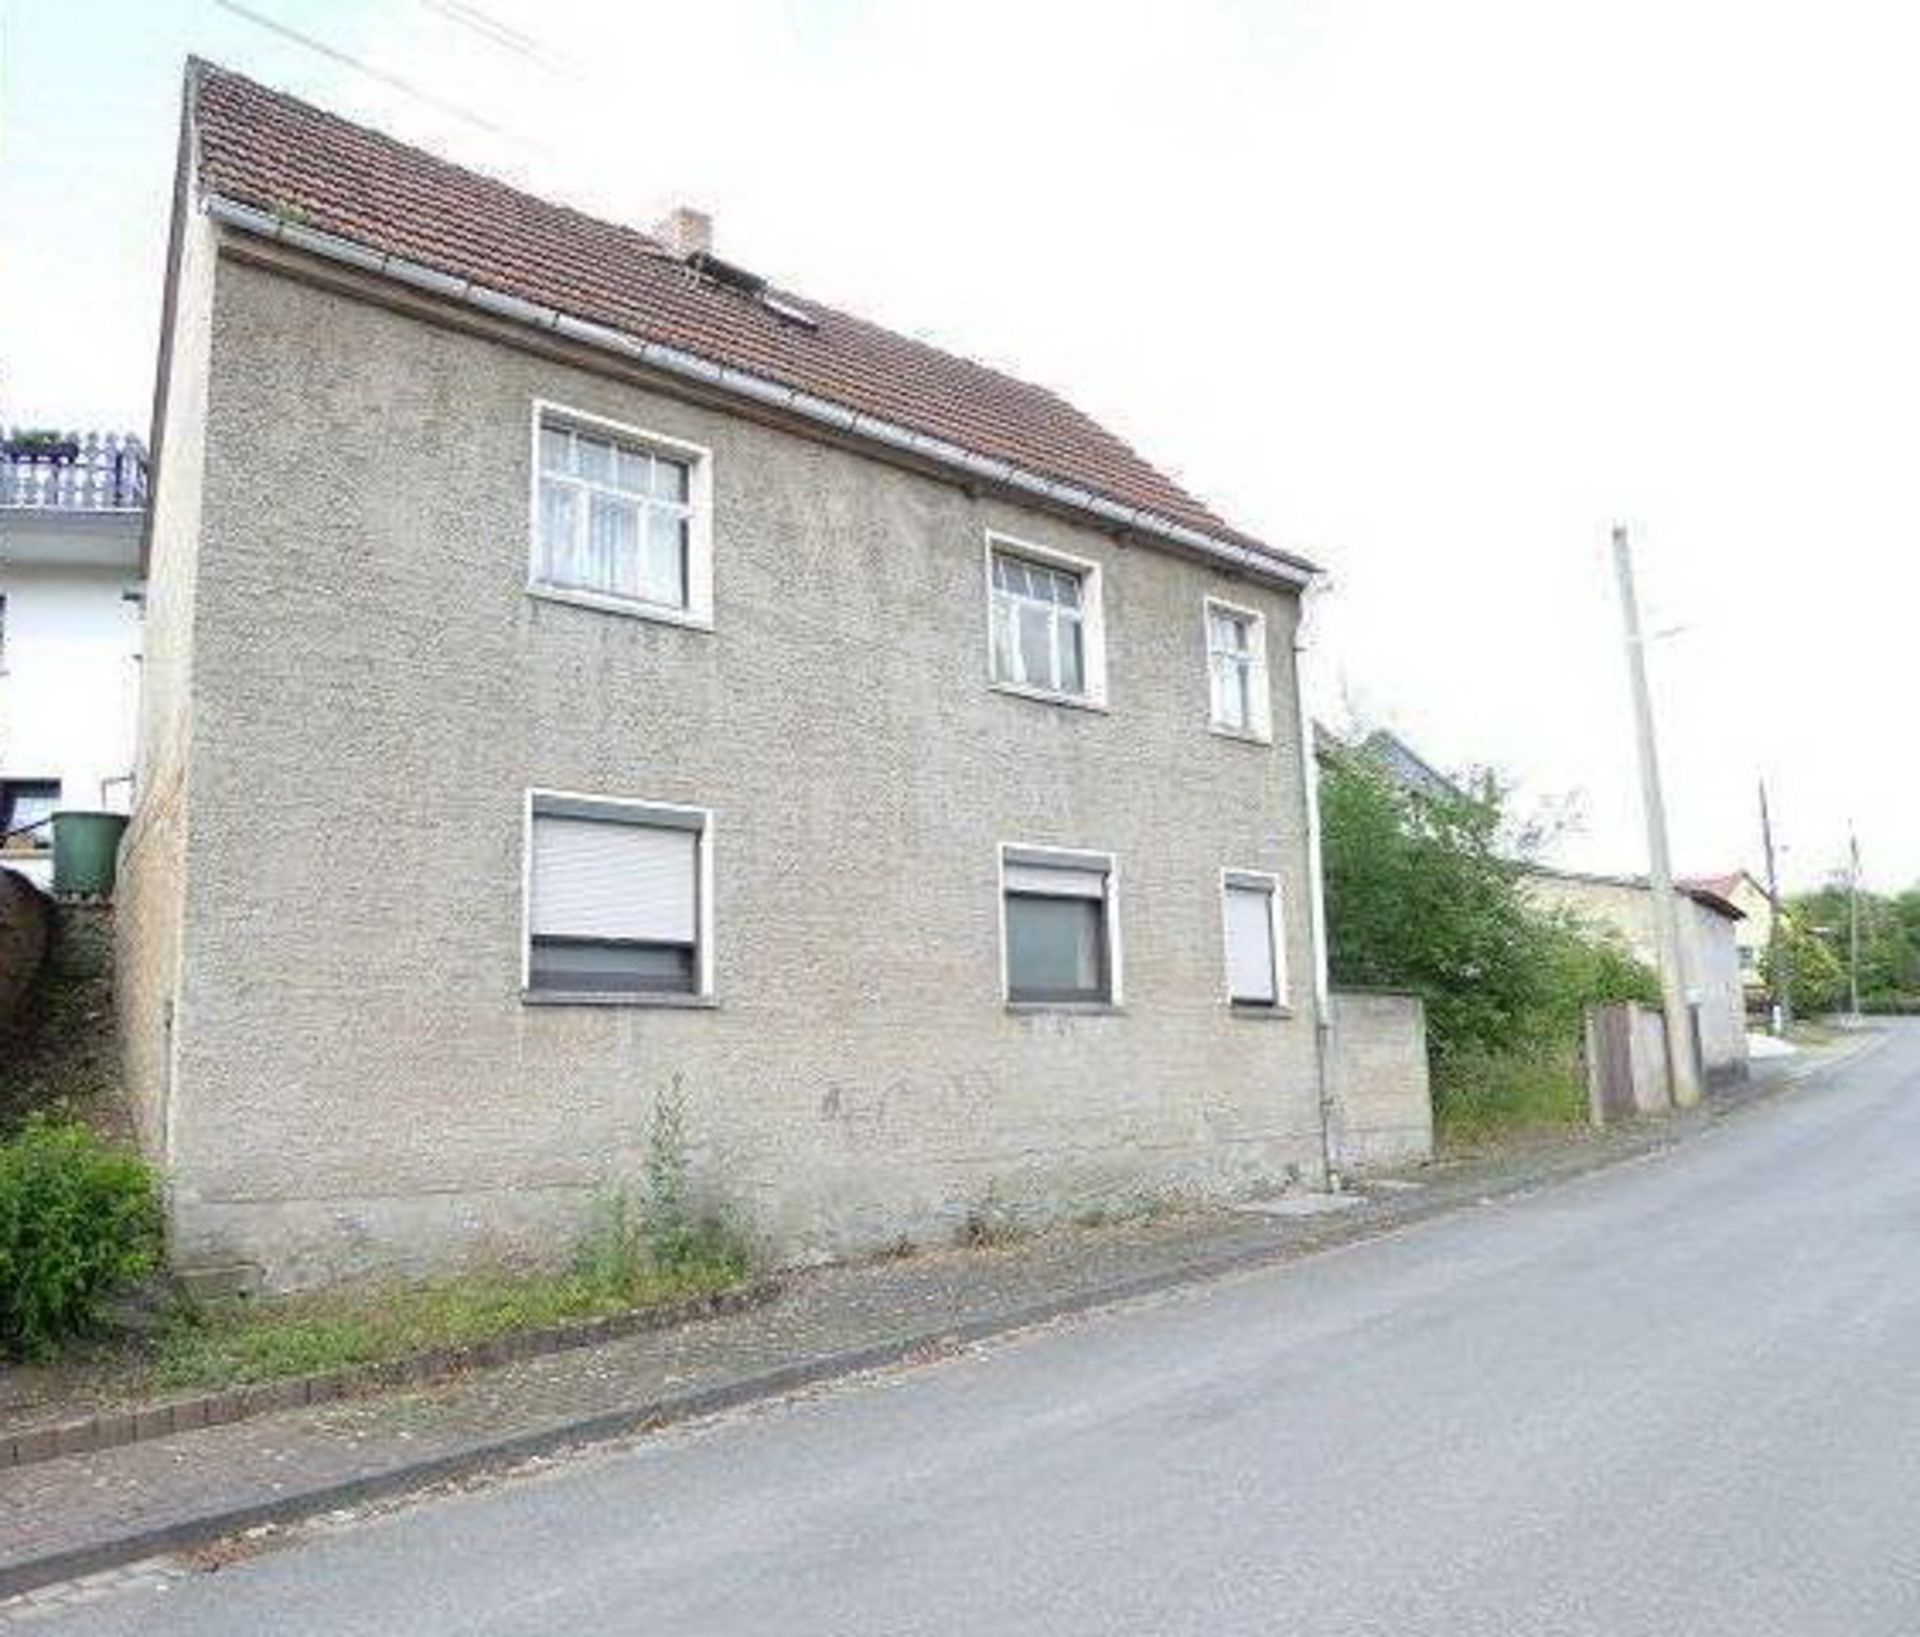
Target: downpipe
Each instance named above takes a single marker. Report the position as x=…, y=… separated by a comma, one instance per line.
x=1316, y=896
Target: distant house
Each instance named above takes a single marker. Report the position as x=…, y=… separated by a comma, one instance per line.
x=1753, y=932
x=71, y=509
x=579, y=672
x=1406, y=767
x=1623, y=904
x=1389, y=754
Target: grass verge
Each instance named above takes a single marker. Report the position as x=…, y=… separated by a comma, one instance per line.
x=1483, y=1098
x=293, y=1336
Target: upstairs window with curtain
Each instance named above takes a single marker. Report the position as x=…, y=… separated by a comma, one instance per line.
x=617, y=520
x=1237, y=671
x=1044, y=618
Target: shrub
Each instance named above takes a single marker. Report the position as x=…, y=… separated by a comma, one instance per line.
x=78, y=1221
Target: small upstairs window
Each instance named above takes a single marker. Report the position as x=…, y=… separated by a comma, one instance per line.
x=1239, y=699
x=1045, y=624
x=620, y=519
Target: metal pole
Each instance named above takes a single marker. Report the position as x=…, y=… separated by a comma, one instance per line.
x=1683, y=1067
x=1779, y=945
x=1853, y=925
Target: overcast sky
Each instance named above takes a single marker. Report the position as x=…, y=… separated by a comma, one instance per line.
x=1434, y=293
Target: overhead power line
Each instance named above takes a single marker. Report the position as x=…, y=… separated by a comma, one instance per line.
x=491, y=29
x=334, y=53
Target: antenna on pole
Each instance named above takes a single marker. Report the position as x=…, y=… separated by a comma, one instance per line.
x=1683, y=1061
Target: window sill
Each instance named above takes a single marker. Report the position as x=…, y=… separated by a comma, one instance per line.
x=1259, y=1012
x=1045, y=696
x=1071, y=1008
x=1243, y=736
x=656, y=613
x=566, y=997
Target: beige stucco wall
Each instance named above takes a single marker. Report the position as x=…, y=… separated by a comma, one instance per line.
x=150, y=894
x=1377, y=1073
x=1707, y=950
x=357, y=1083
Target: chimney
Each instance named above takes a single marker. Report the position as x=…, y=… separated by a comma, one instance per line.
x=685, y=231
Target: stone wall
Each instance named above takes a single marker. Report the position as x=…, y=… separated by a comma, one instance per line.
x=1377, y=1075
x=25, y=918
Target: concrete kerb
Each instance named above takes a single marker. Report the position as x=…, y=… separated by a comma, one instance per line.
x=1396, y=1212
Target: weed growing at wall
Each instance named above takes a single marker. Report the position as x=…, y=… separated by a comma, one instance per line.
x=683, y=1238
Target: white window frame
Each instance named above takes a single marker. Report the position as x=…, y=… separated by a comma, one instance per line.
x=1269, y=883
x=638, y=810
x=1093, y=620
x=698, y=613
x=1260, y=681
x=1044, y=855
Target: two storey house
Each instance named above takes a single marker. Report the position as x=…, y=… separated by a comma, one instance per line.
x=581, y=672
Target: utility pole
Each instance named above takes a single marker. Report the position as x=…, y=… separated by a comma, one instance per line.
x=1853, y=924
x=1779, y=945
x=1682, y=1063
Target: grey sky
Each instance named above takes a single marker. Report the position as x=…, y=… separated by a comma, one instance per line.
x=1435, y=293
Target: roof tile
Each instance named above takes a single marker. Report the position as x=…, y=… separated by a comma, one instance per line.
x=260, y=148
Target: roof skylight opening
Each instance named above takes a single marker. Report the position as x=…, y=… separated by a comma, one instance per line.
x=788, y=312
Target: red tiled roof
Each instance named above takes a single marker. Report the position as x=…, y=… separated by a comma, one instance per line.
x=263, y=149
x=1721, y=886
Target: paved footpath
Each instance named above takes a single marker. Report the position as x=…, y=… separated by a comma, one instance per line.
x=66, y=1518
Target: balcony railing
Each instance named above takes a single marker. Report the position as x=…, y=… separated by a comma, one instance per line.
x=72, y=472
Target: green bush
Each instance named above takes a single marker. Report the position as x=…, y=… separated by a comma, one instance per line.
x=78, y=1221
x=1427, y=892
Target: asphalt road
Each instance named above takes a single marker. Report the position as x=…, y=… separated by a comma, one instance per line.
x=1682, y=1396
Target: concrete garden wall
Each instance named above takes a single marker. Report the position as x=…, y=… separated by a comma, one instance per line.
x=1377, y=1073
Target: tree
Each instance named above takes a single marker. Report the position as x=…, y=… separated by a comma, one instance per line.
x=1889, y=947
x=1819, y=977
x=1424, y=893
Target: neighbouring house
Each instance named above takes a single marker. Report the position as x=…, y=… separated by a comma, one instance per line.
x=1389, y=754
x=1623, y=904
x=1405, y=766
x=580, y=671
x=1752, y=933
x=71, y=509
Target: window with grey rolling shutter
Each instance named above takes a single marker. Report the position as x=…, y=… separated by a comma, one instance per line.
x=1253, y=964
x=1058, y=936
x=613, y=902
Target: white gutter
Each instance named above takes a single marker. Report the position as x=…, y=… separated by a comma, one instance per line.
x=742, y=383
x=1316, y=897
